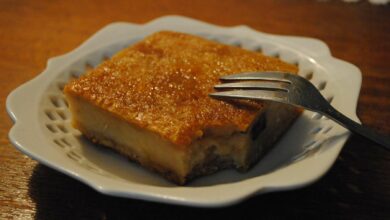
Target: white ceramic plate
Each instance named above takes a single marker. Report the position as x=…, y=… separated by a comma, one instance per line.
x=42, y=122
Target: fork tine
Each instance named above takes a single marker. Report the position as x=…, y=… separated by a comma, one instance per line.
x=278, y=96
x=271, y=76
x=254, y=85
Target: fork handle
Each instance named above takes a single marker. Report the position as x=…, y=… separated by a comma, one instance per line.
x=357, y=128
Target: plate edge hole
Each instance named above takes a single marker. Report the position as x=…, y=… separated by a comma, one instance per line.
x=55, y=101
x=62, y=115
x=88, y=67
x=258, y=49
x=275, y=55
x=316, y=130
x=66, y=142
x=74, y=156
x=326, y=130
x=330, y=99
x=322, y=85
x=309, y=75
x=50, y=115
x=63, y=129
x=61, y=86
x=237, y=44
x=58, y=102
x=59, y=144
x=74, y=75
x=106, y=57
x=51, y=128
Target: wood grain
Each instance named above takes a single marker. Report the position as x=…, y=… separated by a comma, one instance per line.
x=357, y=187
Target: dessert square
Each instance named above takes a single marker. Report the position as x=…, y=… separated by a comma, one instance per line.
x=150, y=102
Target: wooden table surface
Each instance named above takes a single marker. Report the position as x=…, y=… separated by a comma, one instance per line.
x=358, y=185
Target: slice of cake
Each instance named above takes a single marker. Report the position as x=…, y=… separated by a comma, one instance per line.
x=150, y=102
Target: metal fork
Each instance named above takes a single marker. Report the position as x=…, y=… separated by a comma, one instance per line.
x=289, y=89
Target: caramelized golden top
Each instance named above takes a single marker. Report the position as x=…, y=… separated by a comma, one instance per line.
x=162, y=84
